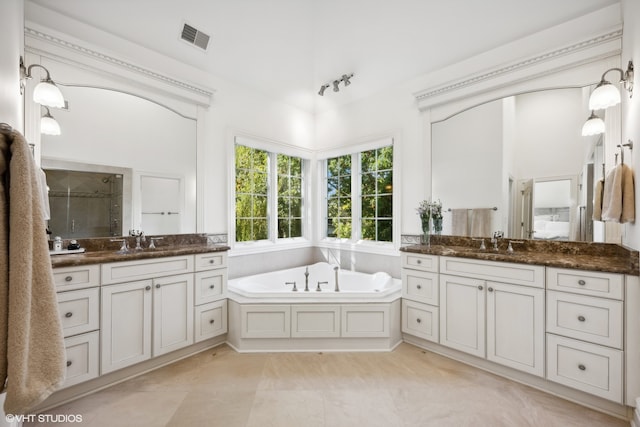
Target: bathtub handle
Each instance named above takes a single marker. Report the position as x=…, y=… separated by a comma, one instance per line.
x=294, y=286
x=321, y=283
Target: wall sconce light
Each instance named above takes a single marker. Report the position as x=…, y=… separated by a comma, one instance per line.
x=593, y=126
x=336, y=84
x=46, y=92
x=49, y=125
x=606, y=94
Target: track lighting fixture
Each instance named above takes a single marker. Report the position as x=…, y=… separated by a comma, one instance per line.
x=346, y=79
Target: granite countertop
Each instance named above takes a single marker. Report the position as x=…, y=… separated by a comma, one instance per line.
x=602, y=257
x=104, y=250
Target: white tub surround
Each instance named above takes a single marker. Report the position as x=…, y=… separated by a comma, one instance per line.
x=266, y=314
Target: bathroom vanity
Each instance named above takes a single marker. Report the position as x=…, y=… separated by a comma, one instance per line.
x=123, y=314
x=559, y=317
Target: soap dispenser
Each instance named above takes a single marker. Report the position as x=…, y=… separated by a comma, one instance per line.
x=57, y=243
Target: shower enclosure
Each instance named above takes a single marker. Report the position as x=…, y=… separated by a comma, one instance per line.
x=85, y=204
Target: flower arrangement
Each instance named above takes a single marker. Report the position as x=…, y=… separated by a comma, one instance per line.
x=430, y=211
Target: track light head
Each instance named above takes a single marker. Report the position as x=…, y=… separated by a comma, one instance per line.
x=322, y=89
x=335, y=85
x=346, y=79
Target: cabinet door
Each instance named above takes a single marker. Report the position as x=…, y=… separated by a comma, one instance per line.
x=515, y=327
x=172, y=313
x=462, y=314
x=126, y=324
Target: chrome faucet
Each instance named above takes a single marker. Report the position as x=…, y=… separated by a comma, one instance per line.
x=336, y=268
x=306, y=279
x=321, y=283
x=124, y=248
x=139, y=235
x=294, y=286
x=510, y=248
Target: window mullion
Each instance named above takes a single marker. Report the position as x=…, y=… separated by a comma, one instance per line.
x=356, y=198
x=272, y=198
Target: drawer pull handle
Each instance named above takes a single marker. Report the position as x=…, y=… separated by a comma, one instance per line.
x=69, y=314
x=419, y=286
x=158, y=286
x=211, y=321
x=480, y=287
x=68, y=279
x=69, y=363
x=582, y=367
x=419, y=261
x=490, y=289
x=212, y=287
x=211, y=261
x=581, y=282
x=147, y=288
x=419, y=320
x=581, y=318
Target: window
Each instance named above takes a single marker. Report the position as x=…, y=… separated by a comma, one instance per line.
x=373, y=170
x=267, y=182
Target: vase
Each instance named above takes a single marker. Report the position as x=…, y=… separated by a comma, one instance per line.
x=426, y=230
x=437, y=226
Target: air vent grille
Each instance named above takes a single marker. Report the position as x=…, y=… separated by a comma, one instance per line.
x=195, y=37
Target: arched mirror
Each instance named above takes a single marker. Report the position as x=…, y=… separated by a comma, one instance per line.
x=523, y=159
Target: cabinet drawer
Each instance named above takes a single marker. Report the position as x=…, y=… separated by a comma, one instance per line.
x=607, y=285
x=70, y=278
x=210, y=260
x=596, y=320
x=265, y=321
x=210, y=286
x=79, y=311
x=420, y=286
x=315, y=321
x=505, y=272
x=127, y=271
x=366, y=320
x=420, y=262
x=211, y=320
x=584, y=366
x=420, y=320
x=82, y=358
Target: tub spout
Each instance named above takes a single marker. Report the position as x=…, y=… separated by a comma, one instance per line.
x=336, y=268
x=306, y=279
x=294, y=286
x=321, y=283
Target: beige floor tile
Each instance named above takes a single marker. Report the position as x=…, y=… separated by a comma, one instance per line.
x=287, y=408
x=360, y=407
x=217, y=408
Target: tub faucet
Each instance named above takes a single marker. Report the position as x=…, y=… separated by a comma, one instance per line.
x=306, y=279
x=321, y=283
x=294, y=286
x=337, y=289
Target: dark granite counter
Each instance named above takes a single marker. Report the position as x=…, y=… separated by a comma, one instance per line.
x=104, y=250
x=604, y=257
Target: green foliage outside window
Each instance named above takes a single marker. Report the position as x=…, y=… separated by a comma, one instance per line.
x=289, y=196
x=339, y=197
x=252, y=168
x=376, y=168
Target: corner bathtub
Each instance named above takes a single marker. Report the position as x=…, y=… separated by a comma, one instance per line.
x=353, y=285
x=265, y=314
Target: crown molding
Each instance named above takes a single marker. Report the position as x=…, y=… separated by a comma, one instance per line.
x=87, y=52
x=503, y=74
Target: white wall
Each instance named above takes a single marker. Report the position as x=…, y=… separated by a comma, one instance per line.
x=11, y=46
x=631, y=108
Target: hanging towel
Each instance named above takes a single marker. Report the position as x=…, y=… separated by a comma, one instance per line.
x=44, y=194
x=481, y=222
x=32, y=353
x=618, y=198
x=459, y=222
x=597, y=201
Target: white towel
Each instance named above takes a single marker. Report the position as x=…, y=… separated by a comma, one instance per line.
x=481, y=222
x=44, y=195
x=618, y=198
x=597, y=201
x=628, y=195
x=459, y=222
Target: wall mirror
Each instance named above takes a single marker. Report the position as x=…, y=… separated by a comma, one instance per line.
x=115, y=144
x=524, y=158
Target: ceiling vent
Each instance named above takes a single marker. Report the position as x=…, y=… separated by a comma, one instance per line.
x=195, y=37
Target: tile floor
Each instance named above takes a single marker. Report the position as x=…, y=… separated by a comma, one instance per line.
x=406, y=387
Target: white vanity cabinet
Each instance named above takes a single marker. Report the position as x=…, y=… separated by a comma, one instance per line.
x=585, y=342
x=146, y=318
x=210, y=303
x=78, y=295
x=420, y=296
x=494, y=310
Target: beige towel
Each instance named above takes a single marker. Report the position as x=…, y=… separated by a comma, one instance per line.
x=44, y=194
x=597, y=201
x=618, y=198
x=481, y=222
x=32, y=353
x=459, y=222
